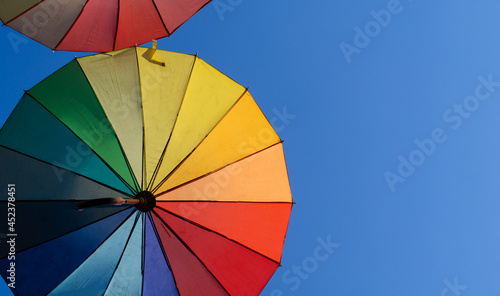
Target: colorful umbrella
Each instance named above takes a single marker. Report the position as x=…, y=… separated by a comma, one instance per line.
x=96, y=25
x=141, y=172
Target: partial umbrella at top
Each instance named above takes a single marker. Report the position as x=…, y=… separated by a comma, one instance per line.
x=96, y=25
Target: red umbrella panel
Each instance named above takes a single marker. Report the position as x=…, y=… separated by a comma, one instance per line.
x=142, y=172
x=96, y=25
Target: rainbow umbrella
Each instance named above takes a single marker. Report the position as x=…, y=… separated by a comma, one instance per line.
x=141, y=172
x=96, y=25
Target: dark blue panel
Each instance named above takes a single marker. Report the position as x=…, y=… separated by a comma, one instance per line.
x=158, y=278
x=40, y=269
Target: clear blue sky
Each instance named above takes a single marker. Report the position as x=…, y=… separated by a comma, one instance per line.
x=410, y=107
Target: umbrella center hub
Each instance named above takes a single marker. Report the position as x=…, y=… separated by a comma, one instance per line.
x=147, y=201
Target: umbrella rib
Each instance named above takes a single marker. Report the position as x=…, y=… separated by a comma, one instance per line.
x=71, y=172
x=72, y=25
x=225, y=201
x=191, y=251
x=117, y=24
x=155, y=172
x=59, y=200
x=124, y=220
x=189, y=154
x=215, y=170
x=104, y=162
x=164, y=253
x=123, y=252
x=217, y=233
x=161, y=18
x=143, y=167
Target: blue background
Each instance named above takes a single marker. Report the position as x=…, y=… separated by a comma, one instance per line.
x=348, y=118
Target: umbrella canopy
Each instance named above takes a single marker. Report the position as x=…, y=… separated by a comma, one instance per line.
x=96, y=25
x=141, y=172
